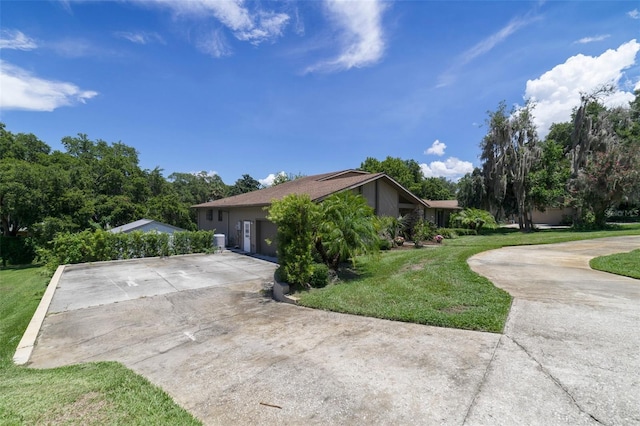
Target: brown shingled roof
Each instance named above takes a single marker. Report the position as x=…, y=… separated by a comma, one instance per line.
x=317, y=187
x=444, y=204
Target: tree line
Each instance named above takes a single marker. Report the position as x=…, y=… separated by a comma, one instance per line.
x=94, y=185
x=591, y=163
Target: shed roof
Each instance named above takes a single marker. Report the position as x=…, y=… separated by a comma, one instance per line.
x=141, y=223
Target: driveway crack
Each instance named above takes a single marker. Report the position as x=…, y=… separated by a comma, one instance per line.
x=555, y=380
x=482, y=382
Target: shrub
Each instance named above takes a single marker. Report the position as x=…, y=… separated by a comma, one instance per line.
x=423, y=230
x=447, y=233
x=384, y=244
x=100, y=245
x=296, y=216
x=473, y=219
x=17, y=250
x=319, y=275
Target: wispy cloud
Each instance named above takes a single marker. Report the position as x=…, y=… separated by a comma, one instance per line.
x=248, y=21
x=214, y=44
x=361, y=34
x=557, y=91
x=140, y=37
x=483, y=47
x=23, y=91
x=436, y=148
x=586, y=40
x=14, y=39
x=634, y=14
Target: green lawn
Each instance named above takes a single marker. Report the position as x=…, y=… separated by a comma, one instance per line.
x=627, y=264
x=434, y=285
x=89, y=394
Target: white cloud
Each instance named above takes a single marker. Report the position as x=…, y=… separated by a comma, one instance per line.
x=255, y=26
x=437, y=148
x=14, y=39
x=140, y=37
x=452, y=168
x=268, y=181
x=634, y=14
x=586, y=40
x=22, y=90
x=361, y=34
x=557, y=91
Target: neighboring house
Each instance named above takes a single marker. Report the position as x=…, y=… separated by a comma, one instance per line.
x=146, y=225
x=552, y=215
x=242, y=218
x=439, y=211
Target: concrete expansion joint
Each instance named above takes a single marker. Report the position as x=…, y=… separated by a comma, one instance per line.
x=554, y=379
x=482, y=381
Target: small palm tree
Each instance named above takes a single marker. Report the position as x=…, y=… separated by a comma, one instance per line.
x=347, y=229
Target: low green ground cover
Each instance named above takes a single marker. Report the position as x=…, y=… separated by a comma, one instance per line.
x=434, y=285
x=627, y=264
x=88, y=394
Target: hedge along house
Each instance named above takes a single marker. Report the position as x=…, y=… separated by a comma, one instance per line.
x=242, y=218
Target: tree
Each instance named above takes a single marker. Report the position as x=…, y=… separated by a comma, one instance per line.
x=437, y=188
x=471, y=191
x=509, y=150
x=243, y=185
x=286, y=177
x=549, y=176
x=346, y=229
x=605, y=159
x=406, y=172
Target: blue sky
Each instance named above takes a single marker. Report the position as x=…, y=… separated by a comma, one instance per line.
x=262, y=87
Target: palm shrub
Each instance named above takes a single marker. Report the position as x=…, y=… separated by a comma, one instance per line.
x=347, y=229
x=471, y=218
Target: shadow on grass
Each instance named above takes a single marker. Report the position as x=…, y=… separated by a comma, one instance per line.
x=20, y=267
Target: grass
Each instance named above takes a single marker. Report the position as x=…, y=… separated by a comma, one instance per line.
x=88, y=394
x=434, y=285
x=627, y=264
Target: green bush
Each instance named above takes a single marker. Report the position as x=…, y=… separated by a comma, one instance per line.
x=100, y=245
x=319, y=275
x=463, y=231
x=17, y=250
x=473, y=219
x=423, y=230
x=447, y=233
x=384, y=244
x=296, y=216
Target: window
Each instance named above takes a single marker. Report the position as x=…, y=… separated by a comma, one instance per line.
x=210, y=214
x=219, y=215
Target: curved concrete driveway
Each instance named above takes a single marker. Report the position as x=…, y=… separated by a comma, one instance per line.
x=576, y=328
x=231, y=356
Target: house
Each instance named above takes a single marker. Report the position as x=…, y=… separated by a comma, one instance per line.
x=439, y=211
x=146, y=225
x=242, y=218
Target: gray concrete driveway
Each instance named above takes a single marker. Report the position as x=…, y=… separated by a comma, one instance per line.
x=231, y=356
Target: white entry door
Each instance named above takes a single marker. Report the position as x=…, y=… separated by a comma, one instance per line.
x=247, y=236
